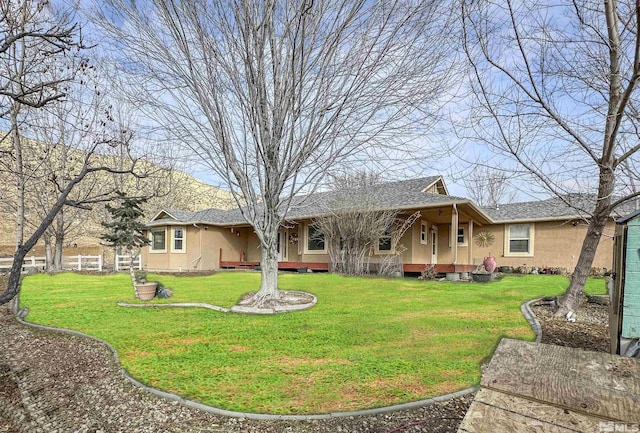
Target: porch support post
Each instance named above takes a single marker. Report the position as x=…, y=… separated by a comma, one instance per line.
x=454, y=235
x=470, y=243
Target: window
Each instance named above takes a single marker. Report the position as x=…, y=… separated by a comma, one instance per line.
x=178, y=239
x=158, y=240
x=424, y=235
x=384, y=242
x=315, y=240
x=462, y=238
x=519, y=239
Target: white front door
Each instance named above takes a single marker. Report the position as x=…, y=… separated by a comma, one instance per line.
x=434, y=245
x=281, y=246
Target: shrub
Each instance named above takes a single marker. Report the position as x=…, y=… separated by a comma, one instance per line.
x=429, y=273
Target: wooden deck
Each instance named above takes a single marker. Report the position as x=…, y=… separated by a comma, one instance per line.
x=532, y=387
x=314, y=266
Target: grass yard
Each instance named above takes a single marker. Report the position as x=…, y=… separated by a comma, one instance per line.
x=368, y=342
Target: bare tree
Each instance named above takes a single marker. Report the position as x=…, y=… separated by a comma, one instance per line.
x=270, y=94
x=353, y=223
x=489, y=187
x=41, y=59
x=391, y=265
x=555, y=89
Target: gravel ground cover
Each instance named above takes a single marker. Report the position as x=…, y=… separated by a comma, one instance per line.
x=54, y=382
x=590, y=331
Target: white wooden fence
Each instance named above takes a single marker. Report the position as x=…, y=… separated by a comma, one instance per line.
x=28, y=262
x=123, y=262
x=75, y=263
x=82, y=263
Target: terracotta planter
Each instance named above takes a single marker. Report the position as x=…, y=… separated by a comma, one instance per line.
x=146, y=291
x=489, y=264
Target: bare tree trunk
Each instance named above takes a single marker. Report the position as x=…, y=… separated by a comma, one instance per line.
x=132, y=272
x=570, y=301
x=48, y=254
x=269, y=282
x=59, y=240
x=19, y=185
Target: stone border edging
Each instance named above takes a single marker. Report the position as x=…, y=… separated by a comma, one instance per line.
x=234, y=309
x=532, y=319
x=176, y=304
x=247, y=415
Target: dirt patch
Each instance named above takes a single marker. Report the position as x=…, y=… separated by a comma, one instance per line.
x=590, y=331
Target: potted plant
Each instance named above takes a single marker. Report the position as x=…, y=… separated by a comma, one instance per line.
x=144, y=290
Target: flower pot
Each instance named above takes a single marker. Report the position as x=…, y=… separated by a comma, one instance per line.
x=146, y=291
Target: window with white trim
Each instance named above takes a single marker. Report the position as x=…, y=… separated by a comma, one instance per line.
x=519, y=239
x=424, y=233
x=158, y=240
x=462, y=236
x=315, y=240
x=178, y=239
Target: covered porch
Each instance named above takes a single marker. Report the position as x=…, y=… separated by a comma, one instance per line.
x=441, y=237
x=324, y=267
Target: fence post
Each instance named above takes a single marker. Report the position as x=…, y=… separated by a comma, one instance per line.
x=100, y=263
x=79, y=262
x=33, y=261
x=139, y=262
x=115, y=264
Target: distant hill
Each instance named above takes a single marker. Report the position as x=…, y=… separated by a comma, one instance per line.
x=173, y=189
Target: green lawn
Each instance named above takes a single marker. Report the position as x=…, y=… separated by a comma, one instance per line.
x=368, y=342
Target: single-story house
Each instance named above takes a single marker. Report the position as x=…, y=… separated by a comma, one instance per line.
x=452, y=233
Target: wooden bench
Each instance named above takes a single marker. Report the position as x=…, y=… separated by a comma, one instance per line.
x=533, y=387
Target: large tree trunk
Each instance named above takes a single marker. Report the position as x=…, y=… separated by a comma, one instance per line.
x=269, y=272
x=570, y=301
x=13, y=285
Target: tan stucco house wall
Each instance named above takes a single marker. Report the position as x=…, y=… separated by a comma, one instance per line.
x=553, y=241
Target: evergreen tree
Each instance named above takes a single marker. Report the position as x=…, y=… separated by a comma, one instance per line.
x=126, y=231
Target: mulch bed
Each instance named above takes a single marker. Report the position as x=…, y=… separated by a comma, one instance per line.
x=52, y=382
x=590, y=331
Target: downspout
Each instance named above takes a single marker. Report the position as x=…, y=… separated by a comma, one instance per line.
x=470, y=243
x=195, y=262
x=454, y=235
